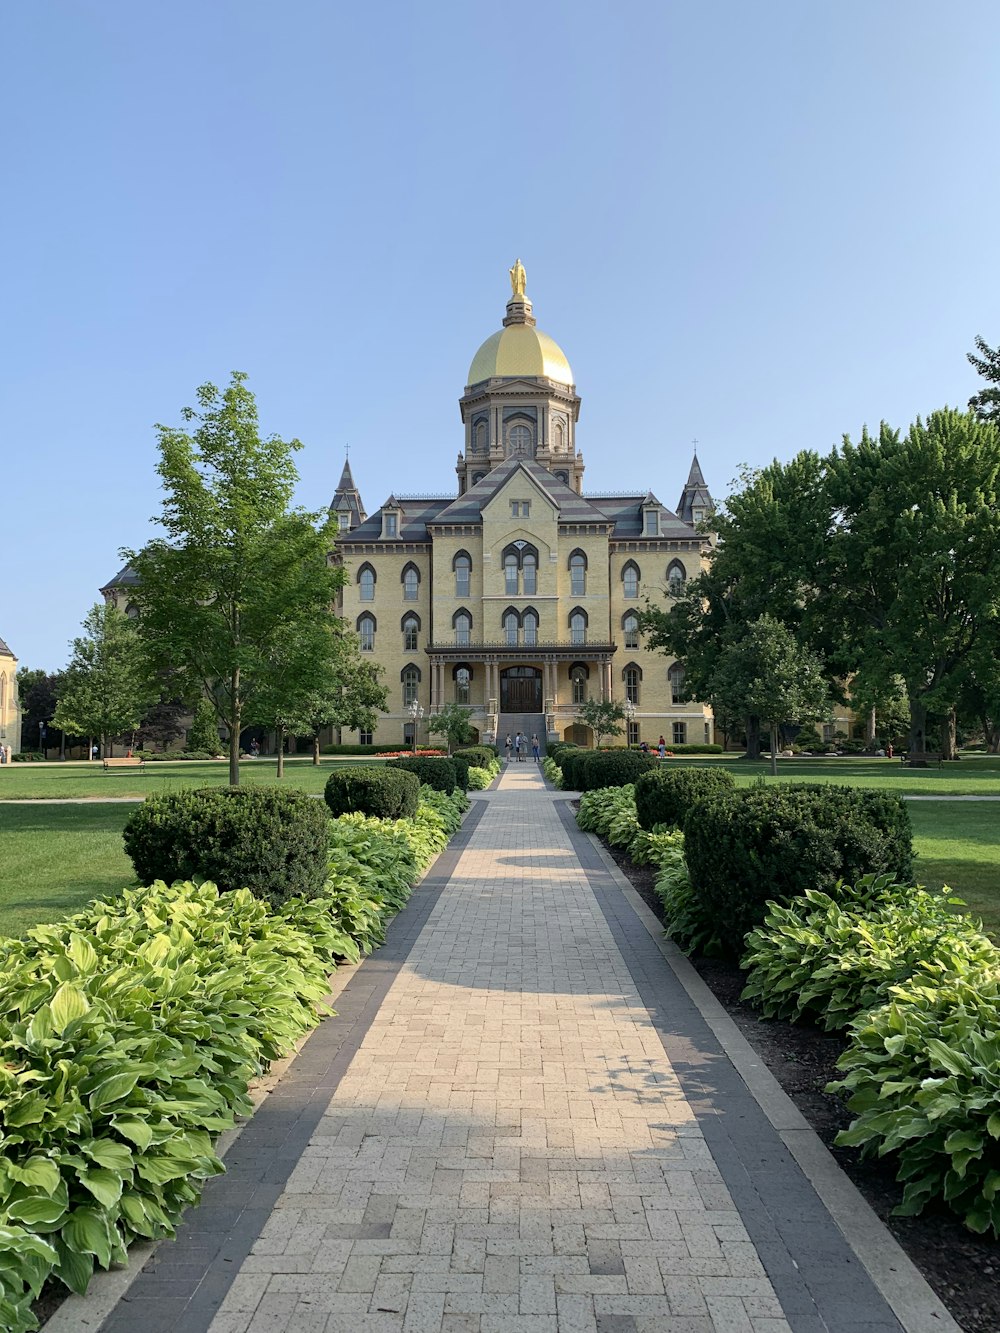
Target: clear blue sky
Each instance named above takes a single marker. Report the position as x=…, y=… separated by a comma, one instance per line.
x=761, y=225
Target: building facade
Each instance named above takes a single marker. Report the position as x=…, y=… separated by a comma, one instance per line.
x=10, y=709
x=519, y=596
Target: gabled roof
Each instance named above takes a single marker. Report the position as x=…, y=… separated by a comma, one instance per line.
x=572, y=508
x=125, y=577
x=4, y=650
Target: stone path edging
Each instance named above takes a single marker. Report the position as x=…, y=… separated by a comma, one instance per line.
x=902, y=1284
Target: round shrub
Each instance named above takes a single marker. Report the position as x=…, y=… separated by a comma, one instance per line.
x=479, y=756
x=270, y=842
x=441, y=774
x=745, y=848
x=665, y=795
x=593, y=769
x=387, y=793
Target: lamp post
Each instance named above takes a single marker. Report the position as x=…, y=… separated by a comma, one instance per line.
x=416, y=712
x=629, y=719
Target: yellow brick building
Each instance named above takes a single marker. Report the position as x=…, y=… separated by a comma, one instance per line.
x=519, y=596
x=10, y=710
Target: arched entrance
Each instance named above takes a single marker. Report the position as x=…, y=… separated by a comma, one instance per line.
x=521, y=690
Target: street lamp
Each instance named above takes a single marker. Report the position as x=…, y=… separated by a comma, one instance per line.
x=416, y=712
x=629, y=719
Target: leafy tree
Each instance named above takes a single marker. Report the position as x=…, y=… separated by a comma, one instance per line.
x=911, y=581
x=769, y=556
x=224, y=594
x=451, y=721
x=38, y=692
x=320, y=680
x=765, y=672
x=986, y=403
x=204, y=728
x=605, y=717
x=107, y=687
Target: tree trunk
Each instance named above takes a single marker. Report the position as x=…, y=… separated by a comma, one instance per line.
x=991, y=735
x=949, y=736
x=235, y=718
x=316, y=748
x=753, y=737
x=918, y=731
x=870, y=728
x=774, y=749
x=280, y=734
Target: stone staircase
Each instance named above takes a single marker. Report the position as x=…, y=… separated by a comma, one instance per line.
x=528, y=724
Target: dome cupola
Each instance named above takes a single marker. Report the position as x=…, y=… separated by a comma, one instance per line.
x=520, y=350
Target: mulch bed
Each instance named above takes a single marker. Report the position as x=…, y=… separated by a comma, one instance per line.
x=961, y=1267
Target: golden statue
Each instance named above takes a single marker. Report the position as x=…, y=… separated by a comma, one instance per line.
x=517, y=279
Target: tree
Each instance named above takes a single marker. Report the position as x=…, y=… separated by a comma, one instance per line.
x=911, y=568
x=769, y=559
x=38, y=692
x=603, y=716
x=107, y=687
x=320, y=680
x=222, y=597
x=986, y=403
x=765, y=672
x=451, y=721
x=204, y=728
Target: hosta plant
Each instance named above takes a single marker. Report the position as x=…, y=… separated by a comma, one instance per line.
x=689, y=923
x=826, y=958
x=922, y=1074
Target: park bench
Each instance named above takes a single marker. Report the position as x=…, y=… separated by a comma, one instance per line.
x=922, y=760
x=129, y=762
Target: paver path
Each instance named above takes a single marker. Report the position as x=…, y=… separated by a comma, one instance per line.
x=510, y=1149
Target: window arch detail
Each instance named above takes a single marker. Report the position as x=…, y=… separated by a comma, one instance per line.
x=630, y=579
x=632, y=676
x=462, y=565
x=410, y=625
x=461, y=622
x=675, y=677
x=578, y=621
x=676, y=576
x=578, y=573
x=529, y=626
x=366, y=626
x=410, y=579
x=630, y=629
x=367, y=579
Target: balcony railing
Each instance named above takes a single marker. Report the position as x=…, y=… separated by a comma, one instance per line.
x=588, y=648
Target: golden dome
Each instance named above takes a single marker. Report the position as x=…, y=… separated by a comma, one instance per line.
x=520, y=350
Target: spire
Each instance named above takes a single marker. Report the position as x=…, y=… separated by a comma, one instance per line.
x=696, y=501
x=347, y=506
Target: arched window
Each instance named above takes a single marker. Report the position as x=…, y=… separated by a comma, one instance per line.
x=630, y=628
x=480, y=441
x=632, y=675
x=558, y=436
x=630, y=579
x=410, y=676
x=132, y=611
x=578, y=625
x=510, y=573
x=519, y=440
x=462, y=565
x=529, y=566
x=411, y=583
x=511, y=624
x=366, y=583
x=462, y=622
x=366, y=631
x=529, y=624
x=675, y=676
x=477, y=477
x=676, y=578
x=463, y=679
x=578, y=674
x=578, y=574
x=563, y=477
x=411, y=628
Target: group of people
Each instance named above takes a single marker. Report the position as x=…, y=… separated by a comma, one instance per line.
x=661, y=747
x=518, y=747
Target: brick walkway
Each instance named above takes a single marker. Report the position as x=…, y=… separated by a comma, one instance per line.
x=509, y=1149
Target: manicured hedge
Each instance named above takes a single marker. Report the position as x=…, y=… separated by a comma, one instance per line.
x=587, y=770
x=695, y=749
x=387, y=793
x=665, y=795
x=747, y=847
x=479, y=756
x=441, y=774
x=270, y=842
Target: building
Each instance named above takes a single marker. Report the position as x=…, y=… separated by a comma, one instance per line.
x=10, y=709
x=519, y=595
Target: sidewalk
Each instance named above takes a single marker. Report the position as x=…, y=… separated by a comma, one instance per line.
x=520, y=1122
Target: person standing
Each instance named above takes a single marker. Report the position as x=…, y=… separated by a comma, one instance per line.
x=536, y=750
x=661, y=748
x=519, y=747
x=508, y=745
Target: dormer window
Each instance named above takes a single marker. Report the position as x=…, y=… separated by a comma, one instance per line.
x=652, y=523
x=392, y=525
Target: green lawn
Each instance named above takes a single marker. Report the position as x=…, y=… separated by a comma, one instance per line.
x=977, y=775
x=54, y=859
x=958, y=844
x=82, y=780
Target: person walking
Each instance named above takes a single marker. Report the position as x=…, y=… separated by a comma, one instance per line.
x=536, y=750
x=508, y=745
